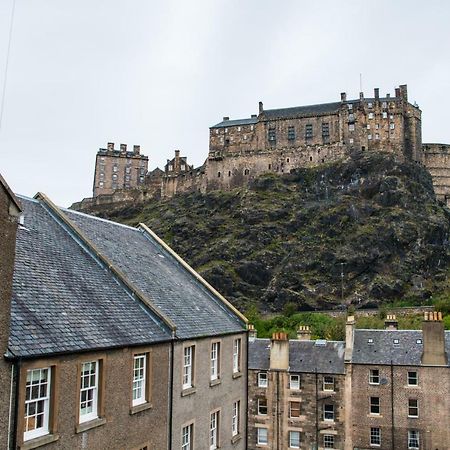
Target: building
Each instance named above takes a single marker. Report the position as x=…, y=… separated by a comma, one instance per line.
x=385, y=389
x=113, y=341
x=296, y=393
x=119, y=169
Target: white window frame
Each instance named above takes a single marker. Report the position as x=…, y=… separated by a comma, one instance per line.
x=90, y=390
x=327, y=383
x=410, y=378
x=375, y=405
x=237, y=355
x=328, y=441
x=262, y=436
x=258, y=406
x=214, y=430
x=375, y=433
x=188, y=361
x=42, y=400
x=263, y=380
x=294, y=443
x=215, y=361
x=416, y=407
x=351, y=127
x=371, y=115
x=236, y=418
x=186, y=437
x=373, y=376
x=294, y=385
x=325, y=412
x=416, y=437
x=139, y=379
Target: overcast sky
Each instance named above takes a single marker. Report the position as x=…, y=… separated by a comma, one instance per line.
x=160, y=73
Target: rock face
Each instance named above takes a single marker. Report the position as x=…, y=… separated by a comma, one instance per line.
x=361, y=231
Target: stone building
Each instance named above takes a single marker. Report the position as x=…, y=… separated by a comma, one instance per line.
x=436, y=158
x=119, y=169
x=296, y=393
x=114, y=341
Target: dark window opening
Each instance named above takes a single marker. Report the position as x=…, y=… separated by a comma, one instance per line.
x=229, y=173
x=246, y=172
x=272, y=135
x=218, y=174
x=287, y=159
x=325, y=130
x=291, y=133
x=310, y=158
x=270, y=166
x=308, y=131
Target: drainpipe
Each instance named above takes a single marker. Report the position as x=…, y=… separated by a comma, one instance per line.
x=171, y=393
x=246, y=393
x=316, y=446
x=278, y=410
x=16, y=405
x=10, y=418
x=392, y=406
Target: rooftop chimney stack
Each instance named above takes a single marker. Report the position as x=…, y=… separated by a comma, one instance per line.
x=349, y=334
x=279, y=351
x=397, y=92
x=391, y=322
x=343, y=96
x=404, y=92
x=376, y=92
x=177, y=153
x=303, y=333
x=123, y=148
x=361, y=95
x=254, y=116
x=110, y=146
x=388, y=95
x=226, y=118
x=261, y=107
x=433, y=340
x=136, y=149
x=252, y=333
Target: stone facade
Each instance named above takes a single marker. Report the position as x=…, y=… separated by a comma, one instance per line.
x=436, y=158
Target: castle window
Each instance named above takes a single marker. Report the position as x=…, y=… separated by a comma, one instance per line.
x=183, y=167
x=351, y=140
x=170, y=168
x=391, y=116
x=141, y=179
x=294, y=439
x=239, y=128
x=101, y=184
x=246, y=172
x=291, y=133
x=270, y=166
x=226, y=130
x=218, y=174
x=368, y=126
x=384, y=105
x=375, y=436
x=308, y=131
x=294, y=382
x=262, y=379
x=294, y=409
x=115, y=168
x=310, y=158
x=377, y=136
x=384, y=115
x=227, y=141
x=229, y=173
x=142, y=170
x=127, y=177
x=328, y=412
x=392, y=126
x=245, y=137
x=127, y=169
x=217, y=131
x=252, y=127
x=370, y=105
x=350, y=106
x=377, y=126
x=371, y=115
x=325, y=130
x=328, y=441
x=114, y=177
x=102, y=175
x=351, y=127
x=287, y=159
x=374, y=376
x=328, y=382
x=369, y=136
x=272, y=135
x=351, y=118
x=262, y=407
x=263, y=436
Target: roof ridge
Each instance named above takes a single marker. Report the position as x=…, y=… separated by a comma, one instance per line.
x=10, y=193
x=109, y=264
x=303, y=106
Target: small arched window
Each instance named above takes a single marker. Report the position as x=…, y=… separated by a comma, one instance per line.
x=218, y=174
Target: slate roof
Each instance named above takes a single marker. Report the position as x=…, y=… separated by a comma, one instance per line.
x=304, y=356
x=64, y=301
x=301, y=111
x=235, y=122
x=193, y=308
x=383, y=350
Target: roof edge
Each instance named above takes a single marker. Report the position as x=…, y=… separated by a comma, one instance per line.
x=10, y=193
x=109, y=264
x=199, y=278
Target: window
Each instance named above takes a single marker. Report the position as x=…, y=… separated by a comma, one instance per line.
x=89, y=391
x=115, y=168
x=218, y=174
x=37, y=403
x=413, y=379
x=374, y=376
x=370, y=105
x=351, y=117
x=413, y=440
x=368, y=126
x=370, y=340
x=369, y=136
x=351, y=127
x=371, y=115
x=291, y=133
x=375, y=405
x=188, y=359
x=102, y=175
x=328, y=412
x=351, y=140
x=272, y=135
x=127, y=169
x=246, y=172
x=114, y=177
x=377, y=126
x=101, y=184
x=215, y=363
x=418, y=341
x=294, y=439
x=262, y=406
x=325, y=130
x=294, y=409
x=384, y=115
x=186, y=437
x=350, y=106
x=294, y=382
x=262, y=379
x=170, y=167
x=262, y=436
x=236, y=418
x=377, y=136
x=384, y=104
x=328, y=441
x=236, y=355
x=392, y=126
x=413, y=407
x=375, y=436
x=214, y=430
x=182, y=167
x=139, y=377
x=127, y=177
x=308, y=131
x=328, y=383
x=239, y=128
x=396, y=342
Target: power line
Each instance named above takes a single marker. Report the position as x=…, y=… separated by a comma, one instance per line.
x=2, y=106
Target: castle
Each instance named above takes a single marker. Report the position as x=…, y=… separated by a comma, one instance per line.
x=278, y=141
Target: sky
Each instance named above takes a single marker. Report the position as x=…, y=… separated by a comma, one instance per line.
x=82, y=73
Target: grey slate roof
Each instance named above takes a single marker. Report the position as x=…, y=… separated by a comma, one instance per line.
x=194, y=309
x=304, y=356
x=234, y=122
x=63, y=300
x=383, y=350
x=300, y=111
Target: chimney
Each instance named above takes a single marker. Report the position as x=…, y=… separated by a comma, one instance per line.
x=376, y=93
x=226, y=118
x=110, y=146
x=391, y=322
x=343, y=96
x=388, y=95
x=303, y=333
x=136, y=149
x=123, y=148
x=349, y=335
x=397, y=92
x=279, y=351
x=361, y=95
x=261, y=107
x=404, y=92
x=254, y=116
x=433, y=340
x=252, y=333
x=177, y=153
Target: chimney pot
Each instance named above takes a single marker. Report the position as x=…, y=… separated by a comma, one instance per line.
x=303, y=333
x=226, y=118
x=110, y=146
x=252, y=333
x=254, y=116
x=123, y=147
x=388, y=95
x=376, y=92
x=343, y=96
x=391, y=322
x=261, y=107
x=397, y=92
x=177, y=153
x=136, y=149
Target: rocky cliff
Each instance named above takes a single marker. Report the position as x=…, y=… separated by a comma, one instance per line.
x=362, y=231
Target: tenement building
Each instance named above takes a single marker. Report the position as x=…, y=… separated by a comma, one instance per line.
x=380, y=389
x=110, y=340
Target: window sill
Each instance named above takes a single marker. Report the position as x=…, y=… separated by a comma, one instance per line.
x=236, y=438
x=237, y=375
x=215, y=382
x=142, y=407
x=188, y=391
x=38, y=442
x=85, y=426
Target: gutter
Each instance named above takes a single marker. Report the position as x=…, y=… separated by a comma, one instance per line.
x=171, y=388
x=16, y=405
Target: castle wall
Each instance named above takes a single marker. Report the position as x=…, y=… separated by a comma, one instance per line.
x=436, y=158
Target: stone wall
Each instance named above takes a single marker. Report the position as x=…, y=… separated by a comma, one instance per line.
x=436, y=158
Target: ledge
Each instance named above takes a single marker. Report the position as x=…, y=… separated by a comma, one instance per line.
x=237, y=375
x=236, y=438
x=215, y=382
x=81, y=427
x=38, y=442
x=138, y=408
x=189, y=391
